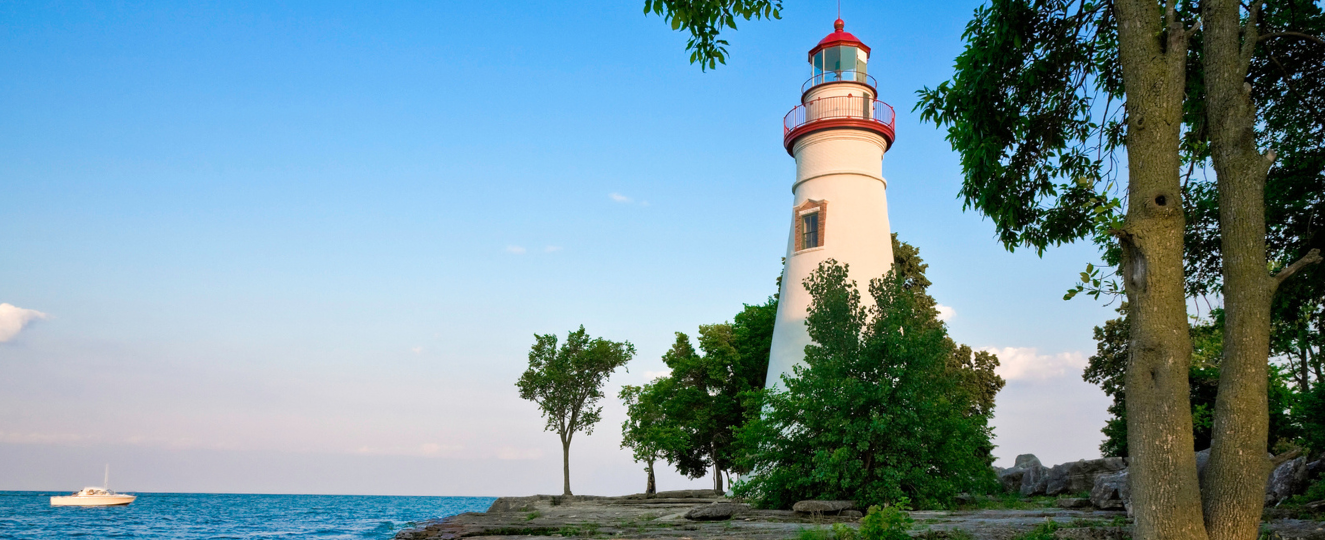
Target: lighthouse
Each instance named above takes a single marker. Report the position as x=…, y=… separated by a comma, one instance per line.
x=838, y=135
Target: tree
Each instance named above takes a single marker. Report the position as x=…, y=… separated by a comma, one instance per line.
x=1232, y=496
x=647, y=431
x=567, y=381
x=884, y=409
x=694, y=411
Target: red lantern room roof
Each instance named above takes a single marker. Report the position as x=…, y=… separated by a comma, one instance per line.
x=838, y=37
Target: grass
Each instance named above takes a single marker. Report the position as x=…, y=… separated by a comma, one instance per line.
x=533, y=515
x=1043, y=531
x=1011, y=501
x=839, y=531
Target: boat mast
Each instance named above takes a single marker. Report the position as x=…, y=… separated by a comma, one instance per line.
x=105, y=484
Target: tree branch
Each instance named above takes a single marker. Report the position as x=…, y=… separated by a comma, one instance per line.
x=1298, y=35
x=1249, y=31
x=1312, y=257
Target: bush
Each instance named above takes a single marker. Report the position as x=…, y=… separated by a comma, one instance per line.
x=888, y=408
x=886, y=523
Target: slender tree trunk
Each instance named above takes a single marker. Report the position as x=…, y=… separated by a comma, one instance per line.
x=1234, y=487
x=565, y=466
x=717, y=479
x=1306, y=376
x=652, y=488
x=1165, y=494
x=1304, y=385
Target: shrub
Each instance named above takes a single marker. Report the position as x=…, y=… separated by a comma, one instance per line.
x=888, y=408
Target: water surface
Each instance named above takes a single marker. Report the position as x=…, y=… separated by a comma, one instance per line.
x=192, y=516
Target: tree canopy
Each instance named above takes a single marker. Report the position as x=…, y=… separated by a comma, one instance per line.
x=567, y=382
x=884, y=408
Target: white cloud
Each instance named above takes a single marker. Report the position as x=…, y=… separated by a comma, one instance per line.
x=619, y=198
x=1026, y=363
x=14, y=318
x=946, y=313
x=551, y=249
x=41, y=438
x=518, y=250
x=651, y=375
x=511, y=453
x=416, y=350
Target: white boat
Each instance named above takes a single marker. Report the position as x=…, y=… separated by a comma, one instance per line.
x=94, y=496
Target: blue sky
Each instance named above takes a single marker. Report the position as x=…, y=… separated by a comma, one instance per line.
x=303, y=247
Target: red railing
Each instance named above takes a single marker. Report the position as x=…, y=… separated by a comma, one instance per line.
x=839, y=108
x=839, y=76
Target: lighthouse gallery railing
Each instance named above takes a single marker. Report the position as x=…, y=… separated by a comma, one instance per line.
x=839, y=108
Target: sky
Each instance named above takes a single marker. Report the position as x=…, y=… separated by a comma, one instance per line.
x=304, y=247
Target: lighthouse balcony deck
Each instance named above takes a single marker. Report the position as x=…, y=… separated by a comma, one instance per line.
x=838, y=112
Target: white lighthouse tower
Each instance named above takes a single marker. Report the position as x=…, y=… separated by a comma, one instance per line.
x=838, y=135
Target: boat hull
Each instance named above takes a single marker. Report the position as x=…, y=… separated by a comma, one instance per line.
x=101, y=500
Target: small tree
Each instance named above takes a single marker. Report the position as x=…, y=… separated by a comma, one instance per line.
x=647, y=431
x=567, y=383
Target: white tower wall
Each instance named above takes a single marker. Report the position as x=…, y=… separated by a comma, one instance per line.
x=843, y=168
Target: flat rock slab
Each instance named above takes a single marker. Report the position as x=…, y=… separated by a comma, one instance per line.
x=665, y=518
x=822, y=507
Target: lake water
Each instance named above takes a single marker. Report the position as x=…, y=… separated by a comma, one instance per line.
x=187, y=516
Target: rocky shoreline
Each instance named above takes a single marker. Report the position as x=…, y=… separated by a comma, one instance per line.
x=701, y=515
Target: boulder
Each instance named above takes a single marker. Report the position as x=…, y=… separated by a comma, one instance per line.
x=822, y=507
x=717, y=511
x=1014, y=479
x=1073, y=503
x=1011, y=479
x=1314, y=469
x=1112, y=492
x=1202, y=458
x=1035, y=480
x=854, y=514
x=1079, y=476
x=1288, y=479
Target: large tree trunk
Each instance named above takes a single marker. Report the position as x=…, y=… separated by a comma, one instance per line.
x=1234, y=484
x=1165, y=495
x=652, y=488
x=565, y=466
x=717, y=479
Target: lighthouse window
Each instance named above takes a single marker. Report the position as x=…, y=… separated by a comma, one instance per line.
x=810, y=230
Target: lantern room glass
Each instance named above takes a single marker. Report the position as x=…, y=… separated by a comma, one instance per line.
x=842, y=63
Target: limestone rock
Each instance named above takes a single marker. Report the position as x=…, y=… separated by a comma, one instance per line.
x=1288, y=479
x=1011, y=479
x=1036, y=479
x=854, y=514
x=1079, y=476
x=717, y=511
x=1112, y=492
x=822, y=507
x=1074, y=503
x=1014, y=478
x=518, y=504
